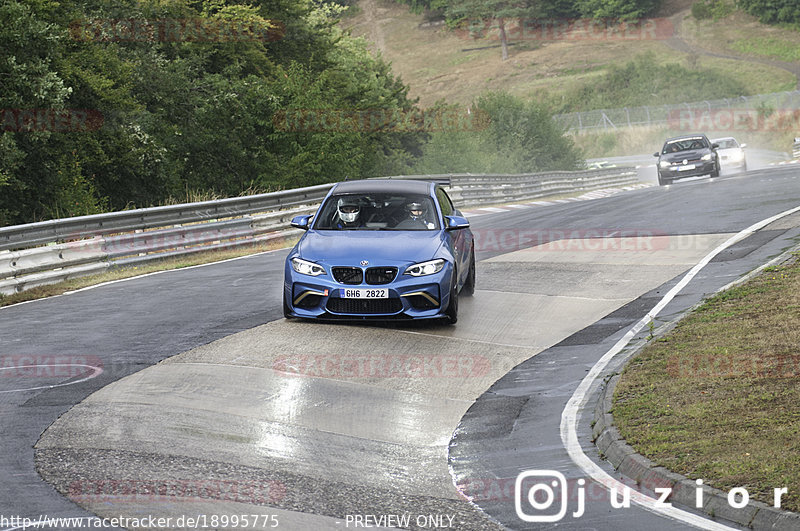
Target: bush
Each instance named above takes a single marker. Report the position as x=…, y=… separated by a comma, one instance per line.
x=645, y=82
x=773, y=11
x=521, y=137
x=715, y=9
x=701, y=10
x=624, y=9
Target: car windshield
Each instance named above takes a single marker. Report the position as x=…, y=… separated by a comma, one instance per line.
x=726, y=143
x=684, y=144
x=377, y=211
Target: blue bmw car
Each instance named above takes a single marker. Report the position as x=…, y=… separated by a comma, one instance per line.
x=380, y=250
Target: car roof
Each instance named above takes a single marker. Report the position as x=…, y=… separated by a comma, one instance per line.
x=383, y=185
x=684, y=137
x=723, y=138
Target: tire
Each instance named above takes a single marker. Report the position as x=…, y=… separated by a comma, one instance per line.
x=744, y=168
x=715, y=171
x=287, y=313
x=469, y=286
x=451, y=313
x=662, y=181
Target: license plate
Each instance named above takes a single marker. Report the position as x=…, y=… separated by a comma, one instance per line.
x=686, y=168
x=361, y=293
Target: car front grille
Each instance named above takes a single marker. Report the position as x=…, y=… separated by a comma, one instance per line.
x=364, y=306
x=348, y=275
x=381, y=275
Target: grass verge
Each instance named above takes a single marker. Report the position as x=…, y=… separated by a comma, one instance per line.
x=454, y=66
x=769, y=47
x=118, y=273
x=718, y=398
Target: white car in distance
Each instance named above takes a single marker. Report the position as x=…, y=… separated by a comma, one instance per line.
x=731, y=153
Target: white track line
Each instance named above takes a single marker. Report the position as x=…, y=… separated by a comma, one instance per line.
x=96, y=371
x=569, y=417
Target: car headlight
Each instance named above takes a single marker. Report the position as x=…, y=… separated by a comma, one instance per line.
x=664, y=164
x=707, y=156
x=425, y=268
x=305, y=267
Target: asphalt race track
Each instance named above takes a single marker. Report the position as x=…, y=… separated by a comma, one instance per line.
x=186, y=393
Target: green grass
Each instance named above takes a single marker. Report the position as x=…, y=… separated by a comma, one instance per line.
x=769, y=47
x=439, y=64
x=718, y=398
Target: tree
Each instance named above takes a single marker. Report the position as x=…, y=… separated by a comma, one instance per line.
x=617, y=9
x=483, y=11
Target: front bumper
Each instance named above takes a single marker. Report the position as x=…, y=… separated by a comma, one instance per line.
x=674, y=171
x=732, y=162
x=409, y=297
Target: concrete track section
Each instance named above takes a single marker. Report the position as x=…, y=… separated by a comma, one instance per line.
x=321, y=425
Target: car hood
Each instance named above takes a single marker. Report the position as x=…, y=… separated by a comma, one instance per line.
x=377, y=247
x=685, y=155
x=729, y=151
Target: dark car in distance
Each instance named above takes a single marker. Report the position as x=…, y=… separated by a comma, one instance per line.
x=687, y=156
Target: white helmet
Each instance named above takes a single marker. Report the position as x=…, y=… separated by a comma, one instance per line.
x=348, y=209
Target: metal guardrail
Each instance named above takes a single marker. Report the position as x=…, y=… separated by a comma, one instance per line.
x=488, y=189
x=52, y=251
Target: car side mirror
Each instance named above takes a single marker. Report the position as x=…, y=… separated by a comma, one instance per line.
x=301, y=222
x=655, y=154
x=714, y=146
x=742, y=146
x=456, y=222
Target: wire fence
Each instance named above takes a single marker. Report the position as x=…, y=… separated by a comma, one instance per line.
x=609, y=119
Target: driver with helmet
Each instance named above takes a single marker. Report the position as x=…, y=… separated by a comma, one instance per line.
x=417, y=214
x=348, y=210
